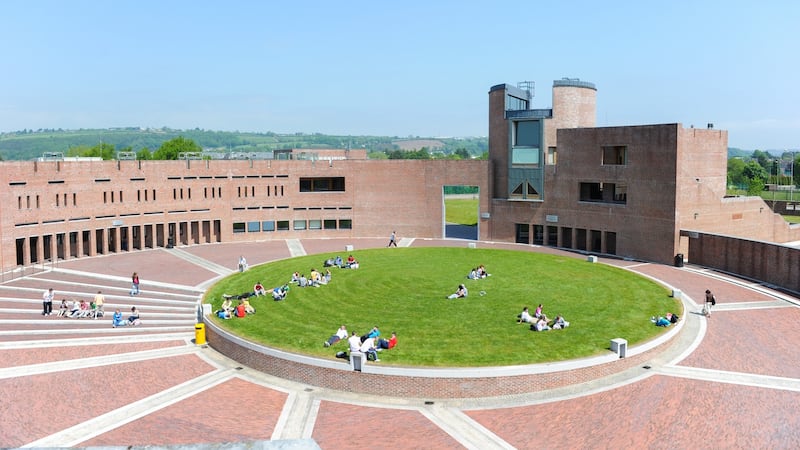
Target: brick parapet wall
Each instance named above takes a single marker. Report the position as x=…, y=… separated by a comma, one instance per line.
x=326, y=374
x=775, y=264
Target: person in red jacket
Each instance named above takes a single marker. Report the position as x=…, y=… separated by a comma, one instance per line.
x=384, y=344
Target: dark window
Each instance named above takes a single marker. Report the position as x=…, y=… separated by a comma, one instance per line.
x=324, y=184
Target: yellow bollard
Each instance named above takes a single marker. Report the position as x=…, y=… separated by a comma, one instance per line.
x=200, y=334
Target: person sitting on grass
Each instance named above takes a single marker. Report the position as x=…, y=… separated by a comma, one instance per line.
x=525, y=316
x=227, y=306
x=240, y=311
x=473, y=274
x=461, y=292
x=559, y=323
x=368, y=348
x=661, y=321
x=354, y=341
x=279, y=293
x=248, y=308
x=387, y=344
x=340, y=334
x=541, y=325
x=258, y=289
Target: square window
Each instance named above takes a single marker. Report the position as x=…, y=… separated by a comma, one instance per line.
x=268, y=225
x=283, y=225
x=238, y=227
x=330, y=224
x=253, y=227
x=346, y=224
x=299, y=224
x=315, y=224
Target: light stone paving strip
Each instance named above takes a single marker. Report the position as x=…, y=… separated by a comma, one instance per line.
x=73, y=436
x=96, y=361
x=463, y=429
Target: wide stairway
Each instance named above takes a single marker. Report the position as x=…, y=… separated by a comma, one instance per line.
x=168, y=312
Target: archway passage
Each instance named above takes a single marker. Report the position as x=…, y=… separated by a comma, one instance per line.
x=461, y=204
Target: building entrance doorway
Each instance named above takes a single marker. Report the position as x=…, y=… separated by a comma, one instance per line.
x=460, y=207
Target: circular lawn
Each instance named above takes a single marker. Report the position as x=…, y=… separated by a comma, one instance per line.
x=405, y=290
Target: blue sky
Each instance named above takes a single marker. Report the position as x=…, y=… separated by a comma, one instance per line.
x=409, y=68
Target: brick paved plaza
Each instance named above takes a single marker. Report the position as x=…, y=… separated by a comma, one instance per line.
x=729, y=381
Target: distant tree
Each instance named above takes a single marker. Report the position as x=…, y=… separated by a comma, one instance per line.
x=144, y=154
x=484, y=156
x=755, y=186
x=377, y=155
x=463, y=153
x=736, y=172
x=753, y=170
x=173, y=147
x=763, y=158
x=102, y=150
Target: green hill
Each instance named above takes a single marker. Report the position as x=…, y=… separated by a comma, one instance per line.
x=30, y=144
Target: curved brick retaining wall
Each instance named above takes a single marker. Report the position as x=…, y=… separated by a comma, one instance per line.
x=428, y=383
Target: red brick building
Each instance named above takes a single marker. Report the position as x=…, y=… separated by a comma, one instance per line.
x=69, y=209
x=552, y=178
x=632, y=191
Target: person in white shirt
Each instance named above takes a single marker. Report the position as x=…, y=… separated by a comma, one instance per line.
x=355, y=343
x=368, y=348
x=47, y=302
x=525, y=316
x=340, y=334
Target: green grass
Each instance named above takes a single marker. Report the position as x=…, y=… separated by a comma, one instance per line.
x=792, y=219
x=404, y=290
x=462, y=211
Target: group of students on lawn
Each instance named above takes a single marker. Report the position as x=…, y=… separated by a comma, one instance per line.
x=369, y=344
x=476, y=273
x=539, y=321
x=315, y=279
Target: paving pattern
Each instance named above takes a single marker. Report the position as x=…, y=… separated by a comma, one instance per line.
x=729, y=381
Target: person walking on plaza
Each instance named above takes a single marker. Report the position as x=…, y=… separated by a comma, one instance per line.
x=134, y=284
x=710, y=301
x=393, y=239
x=47, y=302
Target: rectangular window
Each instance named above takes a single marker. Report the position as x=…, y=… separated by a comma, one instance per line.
x=591, y=192
x=346, y=224
x=253, y=227
x=323, y=184
x=268, y=225
x=238, y=227
x=615, y=155
x=283, y=225
x=330, y=224
x=527, y=133
x=604, y=192
x=552, y=156
x=620, y=193
x=315, y=224
x=525, y=156
x=299, y=224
